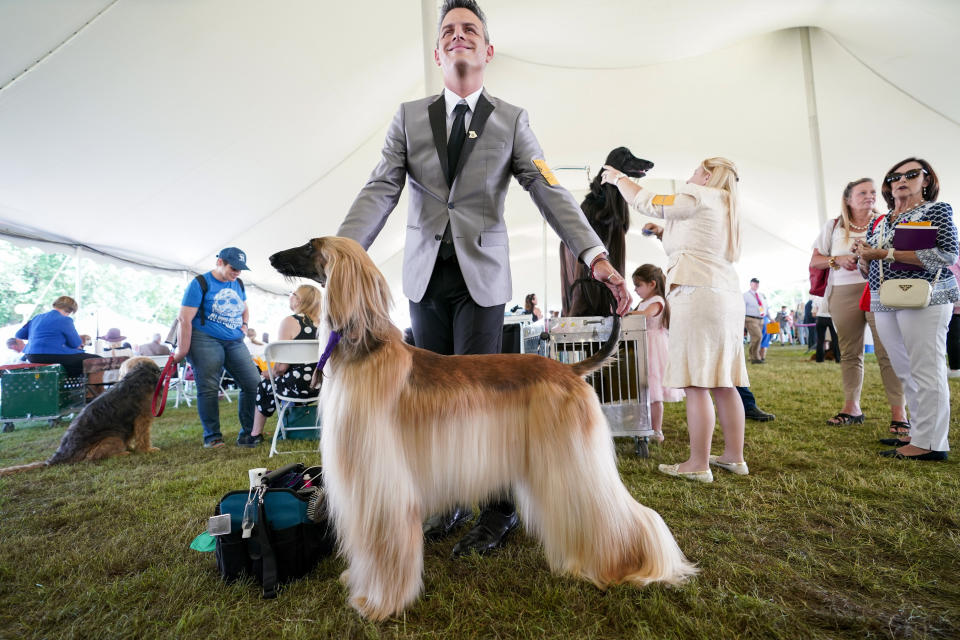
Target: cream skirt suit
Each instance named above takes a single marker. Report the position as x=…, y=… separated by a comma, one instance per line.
x=705, y=347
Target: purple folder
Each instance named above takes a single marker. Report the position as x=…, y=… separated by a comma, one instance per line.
x=911, y=238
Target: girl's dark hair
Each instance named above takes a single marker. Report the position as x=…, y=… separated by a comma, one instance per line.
x=930, y=192
x=654, y=274
x=528, y=301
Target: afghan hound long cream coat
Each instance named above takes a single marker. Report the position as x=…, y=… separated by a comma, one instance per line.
x=408, y=433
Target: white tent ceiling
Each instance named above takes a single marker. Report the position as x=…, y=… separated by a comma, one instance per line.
x=162, y=131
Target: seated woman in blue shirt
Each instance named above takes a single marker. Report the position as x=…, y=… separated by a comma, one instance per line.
x=52, y=338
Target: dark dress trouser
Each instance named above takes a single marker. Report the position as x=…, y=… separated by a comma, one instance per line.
x=824, y=325
x=953, y=342
x=447, y=321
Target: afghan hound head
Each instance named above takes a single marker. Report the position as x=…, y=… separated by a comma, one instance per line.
x=358, y=299
x=603, y=206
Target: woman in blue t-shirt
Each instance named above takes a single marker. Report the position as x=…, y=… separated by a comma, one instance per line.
x=212, y=324
x=52, y=338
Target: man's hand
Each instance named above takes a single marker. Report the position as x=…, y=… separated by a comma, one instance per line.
x=605, y=273
x=179, y=355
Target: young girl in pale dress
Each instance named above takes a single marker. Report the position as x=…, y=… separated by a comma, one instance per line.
x=650, y=283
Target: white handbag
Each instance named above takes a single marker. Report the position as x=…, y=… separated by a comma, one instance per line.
x=906, y=293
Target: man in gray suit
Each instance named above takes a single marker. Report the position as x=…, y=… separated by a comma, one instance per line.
x=458, y=151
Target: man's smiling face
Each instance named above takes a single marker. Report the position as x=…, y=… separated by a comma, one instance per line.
x=461, y=45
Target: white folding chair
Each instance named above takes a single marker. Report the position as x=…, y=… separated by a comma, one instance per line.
x=290, y=352
x=185, y=388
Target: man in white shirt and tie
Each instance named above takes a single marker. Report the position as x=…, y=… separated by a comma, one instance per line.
x=456, y=269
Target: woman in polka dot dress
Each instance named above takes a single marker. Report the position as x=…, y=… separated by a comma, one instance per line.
x=293, y=380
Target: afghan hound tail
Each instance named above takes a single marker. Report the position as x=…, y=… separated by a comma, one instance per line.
x=22, y=467
x=594, y=362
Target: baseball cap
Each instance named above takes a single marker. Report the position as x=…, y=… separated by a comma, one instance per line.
x=235, y=258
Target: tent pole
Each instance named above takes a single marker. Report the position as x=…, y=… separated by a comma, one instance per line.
x=814, y=122
x=76, y=281
x=428, y=23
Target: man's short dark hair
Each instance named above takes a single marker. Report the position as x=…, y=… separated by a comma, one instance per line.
x=469, y=5
x=754, y=280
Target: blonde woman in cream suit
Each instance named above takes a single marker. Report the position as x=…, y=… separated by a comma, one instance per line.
x=701, y=235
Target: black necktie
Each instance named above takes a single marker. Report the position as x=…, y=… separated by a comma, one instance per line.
x=455, y=144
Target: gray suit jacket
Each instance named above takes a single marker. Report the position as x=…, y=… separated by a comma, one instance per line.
x=415, y=151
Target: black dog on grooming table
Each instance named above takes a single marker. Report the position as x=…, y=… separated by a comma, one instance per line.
x=609, y=216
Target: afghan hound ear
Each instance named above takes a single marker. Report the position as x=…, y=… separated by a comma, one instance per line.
x=358, y=299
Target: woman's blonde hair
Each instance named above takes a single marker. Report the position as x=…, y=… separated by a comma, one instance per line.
x=310, y=302
x=65, y=303
x=724, y=176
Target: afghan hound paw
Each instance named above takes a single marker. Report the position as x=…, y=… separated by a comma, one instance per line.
x=368, y=610
x=153, y=449
x=345, y=577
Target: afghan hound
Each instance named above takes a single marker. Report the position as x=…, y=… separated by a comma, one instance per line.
x=408, y=432
x=115, y=422
x=608, y=215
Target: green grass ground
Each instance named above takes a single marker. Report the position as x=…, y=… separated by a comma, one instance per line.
x=823, y=540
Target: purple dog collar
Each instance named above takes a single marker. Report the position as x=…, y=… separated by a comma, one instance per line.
x=331, y=343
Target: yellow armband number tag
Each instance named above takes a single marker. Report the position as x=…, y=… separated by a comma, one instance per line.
x=545, y=172
x=664, y=200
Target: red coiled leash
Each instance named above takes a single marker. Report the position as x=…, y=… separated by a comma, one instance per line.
x=163, y=386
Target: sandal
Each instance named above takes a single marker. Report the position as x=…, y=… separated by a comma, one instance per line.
x=845, y=418
x=899, y=427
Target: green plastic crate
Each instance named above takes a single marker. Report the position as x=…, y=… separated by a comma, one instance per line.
x=30, y=391
x=73, y=392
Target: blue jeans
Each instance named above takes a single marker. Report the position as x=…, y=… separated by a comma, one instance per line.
x=209, y=357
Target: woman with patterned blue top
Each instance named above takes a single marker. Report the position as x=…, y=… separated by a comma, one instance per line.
x=915, y=338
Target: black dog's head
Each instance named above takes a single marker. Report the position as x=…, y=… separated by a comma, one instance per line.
x=603, y=213
x=621, y=158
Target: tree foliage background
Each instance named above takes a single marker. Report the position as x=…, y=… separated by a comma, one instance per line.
x=144, y=295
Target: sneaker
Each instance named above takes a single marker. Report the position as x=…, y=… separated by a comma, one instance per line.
x=244, y=440
x=213, y=444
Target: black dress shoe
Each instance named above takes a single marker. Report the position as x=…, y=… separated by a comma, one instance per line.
x=441, y=525
x=488, y=534
x=932, y=456
x=758, y=415
x=894, y=442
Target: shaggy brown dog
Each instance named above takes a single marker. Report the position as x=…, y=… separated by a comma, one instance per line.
x=407, y=432
x=113, y=423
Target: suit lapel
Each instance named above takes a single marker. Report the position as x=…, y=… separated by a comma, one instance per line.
x=438, y=123
x=483, y=111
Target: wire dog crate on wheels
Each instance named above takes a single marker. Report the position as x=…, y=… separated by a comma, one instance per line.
x=622, y=385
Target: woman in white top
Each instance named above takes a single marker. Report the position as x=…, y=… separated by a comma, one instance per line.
x=833, y=250
x=701, y=236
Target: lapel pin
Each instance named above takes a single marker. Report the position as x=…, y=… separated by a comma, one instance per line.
x=471, y=134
